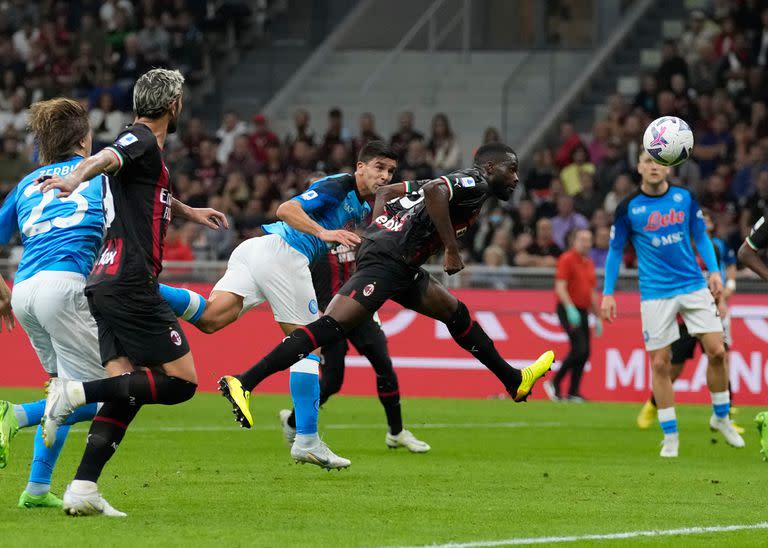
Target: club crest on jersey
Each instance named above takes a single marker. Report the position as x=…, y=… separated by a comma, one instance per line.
x=368, y=290
x=313, y=306
x=658, y=220
x=127, y=139
x=175, y=337
x=677, y=197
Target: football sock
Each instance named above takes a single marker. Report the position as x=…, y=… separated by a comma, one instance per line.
x=721, y=404
x=305, y=393
x=185, y=303
x=668, y=421
x=471, y=337
x=293, y=348
x=29, y=414
x=389, y=396
x=43, y=461
x=135, y=389
x=106, y=433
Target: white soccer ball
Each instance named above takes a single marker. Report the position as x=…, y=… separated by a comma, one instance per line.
x=669, y=140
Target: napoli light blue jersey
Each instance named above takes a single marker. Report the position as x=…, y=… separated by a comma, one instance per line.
x=725, y=255
x=660, y=229
x=332, y=202
x=57, y=234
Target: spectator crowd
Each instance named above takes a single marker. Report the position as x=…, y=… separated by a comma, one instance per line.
x=714, y=76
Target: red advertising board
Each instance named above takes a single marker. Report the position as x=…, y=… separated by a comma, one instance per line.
x=429, y=363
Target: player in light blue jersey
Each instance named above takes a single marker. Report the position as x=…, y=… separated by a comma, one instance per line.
x=661, y=221
x=60, y=239
x=274, y=268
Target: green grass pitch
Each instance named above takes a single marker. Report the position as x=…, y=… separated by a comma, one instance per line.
x=187, y=476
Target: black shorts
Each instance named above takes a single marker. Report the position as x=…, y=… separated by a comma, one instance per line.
x=380, y=277
x=684, y=348
x=138, y=325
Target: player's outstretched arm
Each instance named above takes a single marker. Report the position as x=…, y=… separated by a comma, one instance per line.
x=205, y=216
x=388, y=193
x=436, y=200
x=105, y=161
x=6, y=313
x=292, y=214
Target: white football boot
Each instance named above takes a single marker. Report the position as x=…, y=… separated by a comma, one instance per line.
x=670, y=446
x=319, y=455
x=58, y=407
x=406, y=439
x=726, y=428
x=89, y=504
x=289, y=432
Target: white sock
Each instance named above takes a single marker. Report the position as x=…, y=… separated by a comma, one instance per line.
x=306, y=441
x=37, y=489
x=75, y=393
x=83, y=487
x=21, y=416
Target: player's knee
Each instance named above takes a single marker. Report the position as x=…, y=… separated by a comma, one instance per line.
x=661, y=365
x=321, y=332
x=716, y=355
x=179, y=391
x=460, y=322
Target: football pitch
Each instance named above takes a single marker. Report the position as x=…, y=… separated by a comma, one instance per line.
x=498, y=474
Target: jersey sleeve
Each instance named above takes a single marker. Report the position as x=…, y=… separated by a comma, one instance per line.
x=461, y=186
x=323, y=194
x=758, y=238
x=9, y=222
x=130, y=146
x=701, y=238
x=620, y=232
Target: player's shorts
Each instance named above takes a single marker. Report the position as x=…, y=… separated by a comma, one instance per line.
x=52, y=308
x=684, y=348
x=267, y=269
x=138, y=325
x=659, y=317
x=380, y=277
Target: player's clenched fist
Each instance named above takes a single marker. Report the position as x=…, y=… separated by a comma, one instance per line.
x=453, y=262
x=608, y=308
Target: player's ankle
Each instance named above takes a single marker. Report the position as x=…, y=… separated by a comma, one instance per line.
x=83, y=487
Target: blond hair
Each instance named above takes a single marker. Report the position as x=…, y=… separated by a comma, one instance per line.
x=154, y=92
x=59, y=126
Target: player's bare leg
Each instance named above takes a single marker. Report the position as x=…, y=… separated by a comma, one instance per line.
x=221, y=309
x=664, y=395
x=717, y=381
x=437, y=303
x=647, y=415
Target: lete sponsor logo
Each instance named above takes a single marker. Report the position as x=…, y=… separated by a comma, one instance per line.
x=657, y=220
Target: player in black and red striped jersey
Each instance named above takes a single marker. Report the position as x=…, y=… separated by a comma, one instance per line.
x=142, y=345
x=329, y=273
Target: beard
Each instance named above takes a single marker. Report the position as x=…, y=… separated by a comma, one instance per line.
x=173, y=124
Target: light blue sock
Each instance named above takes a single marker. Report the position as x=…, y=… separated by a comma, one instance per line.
x=186, y=304
x=32, y=413
x=44, y=459
x=305, y=392
x=668, y=420
x=721, y=404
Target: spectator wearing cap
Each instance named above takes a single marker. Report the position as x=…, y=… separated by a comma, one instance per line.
x=699, y=32
x=262, y=137
x=567, y=219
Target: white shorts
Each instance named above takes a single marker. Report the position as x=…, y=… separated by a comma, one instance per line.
x=52, y=308
x=659, y=317
x=267, y=269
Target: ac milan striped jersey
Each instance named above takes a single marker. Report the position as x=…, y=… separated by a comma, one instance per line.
x=132, y=254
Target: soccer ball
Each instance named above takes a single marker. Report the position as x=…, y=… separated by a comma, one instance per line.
x=669, y=140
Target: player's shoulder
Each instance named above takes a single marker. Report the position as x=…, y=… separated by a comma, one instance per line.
x=623, y=209
x=136, y=136
x=679, y=193
x=340, y=184
x=467, y=177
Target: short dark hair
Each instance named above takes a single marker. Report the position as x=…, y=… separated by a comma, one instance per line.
x=376, y=149
x=492, y=152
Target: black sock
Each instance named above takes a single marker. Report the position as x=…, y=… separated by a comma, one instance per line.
x=292, y=419
x=140, y=387
x=471, y=337
x=653, y=400
x=106, y=433
x=293, y=348
x=389, y=396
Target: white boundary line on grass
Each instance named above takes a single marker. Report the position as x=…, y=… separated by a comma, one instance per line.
x=609, y=536
x=356, y=426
